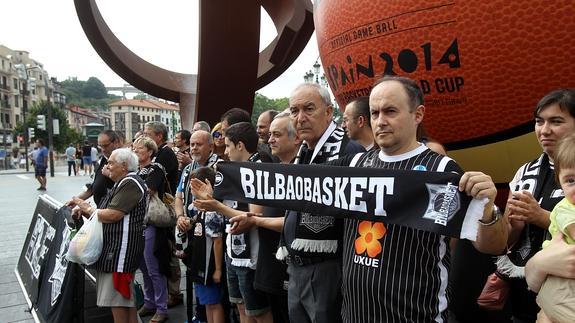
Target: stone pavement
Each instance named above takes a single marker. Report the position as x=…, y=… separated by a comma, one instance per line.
x=18, y=196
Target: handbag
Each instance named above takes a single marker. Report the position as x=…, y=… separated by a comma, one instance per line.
x=139, y=294
x=86, y=245
x=161, y=212
x=494, y=293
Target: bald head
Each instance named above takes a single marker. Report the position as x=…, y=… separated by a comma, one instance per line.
x=201, y=144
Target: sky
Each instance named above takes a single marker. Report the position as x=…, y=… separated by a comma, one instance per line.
x=51, y=33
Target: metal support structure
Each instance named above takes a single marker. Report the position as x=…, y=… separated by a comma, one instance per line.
x=50, y=127
x=25, y=123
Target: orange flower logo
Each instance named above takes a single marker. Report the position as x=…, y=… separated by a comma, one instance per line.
x=369, y=235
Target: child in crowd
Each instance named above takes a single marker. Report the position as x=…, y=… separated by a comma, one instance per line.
x=205, y=254
x=557, y=295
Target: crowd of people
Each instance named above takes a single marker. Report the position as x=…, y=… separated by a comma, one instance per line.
x=256, y=263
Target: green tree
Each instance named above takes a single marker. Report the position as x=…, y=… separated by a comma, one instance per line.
x=75, y=91
x=94, y=88
x=67, y=134
x=263, y=103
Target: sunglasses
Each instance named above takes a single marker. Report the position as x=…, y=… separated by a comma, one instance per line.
x=216, y=134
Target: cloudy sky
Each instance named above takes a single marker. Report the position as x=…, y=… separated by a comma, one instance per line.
x=51, y=33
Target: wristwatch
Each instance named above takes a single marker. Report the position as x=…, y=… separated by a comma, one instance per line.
x=496, y=215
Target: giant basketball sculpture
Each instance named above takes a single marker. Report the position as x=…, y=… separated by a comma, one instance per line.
x=483, y=65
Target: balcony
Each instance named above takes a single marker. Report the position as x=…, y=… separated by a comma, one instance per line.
x=4, y=87
x=4, y=104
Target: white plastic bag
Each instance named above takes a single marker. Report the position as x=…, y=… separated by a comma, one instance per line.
x=86, y=246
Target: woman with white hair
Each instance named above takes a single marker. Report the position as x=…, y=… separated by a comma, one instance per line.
x=122, y=214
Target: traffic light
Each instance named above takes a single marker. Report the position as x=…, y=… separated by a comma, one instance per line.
x=30, y=133
x=41, y=121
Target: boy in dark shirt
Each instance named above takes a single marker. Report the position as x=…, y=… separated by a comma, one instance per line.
x=205, y=254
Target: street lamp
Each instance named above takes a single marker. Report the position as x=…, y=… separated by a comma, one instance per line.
x=315, y=76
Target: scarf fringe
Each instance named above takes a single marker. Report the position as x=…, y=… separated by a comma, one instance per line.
x=470, y=227
x=241, y=262
x=508, y=269
x=306, y=245
x=282, y=253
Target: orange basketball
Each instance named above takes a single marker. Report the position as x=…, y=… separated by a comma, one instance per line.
x=483, y=65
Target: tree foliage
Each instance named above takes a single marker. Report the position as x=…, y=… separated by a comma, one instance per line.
x=90, y=94
x=67, y=135
x=263, y=103
x=95, y=89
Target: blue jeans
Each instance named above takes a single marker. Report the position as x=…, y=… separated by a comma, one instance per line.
x=155, y=284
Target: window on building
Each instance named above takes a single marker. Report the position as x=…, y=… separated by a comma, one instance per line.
x=17, y=101
x=17, y=118
x=16, y=84
x=119, y=108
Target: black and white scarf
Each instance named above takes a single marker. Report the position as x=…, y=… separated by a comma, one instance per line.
x=427, y=201
x=318, y=233
x=537, y=177
x=240, y=244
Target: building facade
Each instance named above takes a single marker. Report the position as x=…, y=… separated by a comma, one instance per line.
x=23, y=83
x=130, y=116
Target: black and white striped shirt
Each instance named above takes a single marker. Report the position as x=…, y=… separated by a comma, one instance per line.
x=393, y=273
x=124, y=240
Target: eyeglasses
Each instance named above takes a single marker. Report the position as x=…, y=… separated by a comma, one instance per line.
x=104, y=145
x=216, y=134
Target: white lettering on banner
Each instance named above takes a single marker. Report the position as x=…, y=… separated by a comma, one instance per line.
x=60, y=266
x=329, y=191
x=280, y=182
x=268, y=194
x=355, y=194
x=259, y=184
x=340, y=184
x=247, y=176
x=327, y=199
x=380, y=186
x=42, y=234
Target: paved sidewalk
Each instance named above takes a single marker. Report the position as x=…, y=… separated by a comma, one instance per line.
x=18, y=197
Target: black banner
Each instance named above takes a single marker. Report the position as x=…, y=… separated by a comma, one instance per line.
x=55, y=288
x=58, y=277
x=428, y=201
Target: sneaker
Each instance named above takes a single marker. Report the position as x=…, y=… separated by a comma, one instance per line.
x=175, y=300
x=144, y=311
x=197, y=320
x=159, y=318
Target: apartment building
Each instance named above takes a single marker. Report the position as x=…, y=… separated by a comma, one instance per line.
x=130, y=116
x=23, y=82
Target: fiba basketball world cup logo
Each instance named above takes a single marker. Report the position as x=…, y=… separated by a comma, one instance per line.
x=443, y=203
